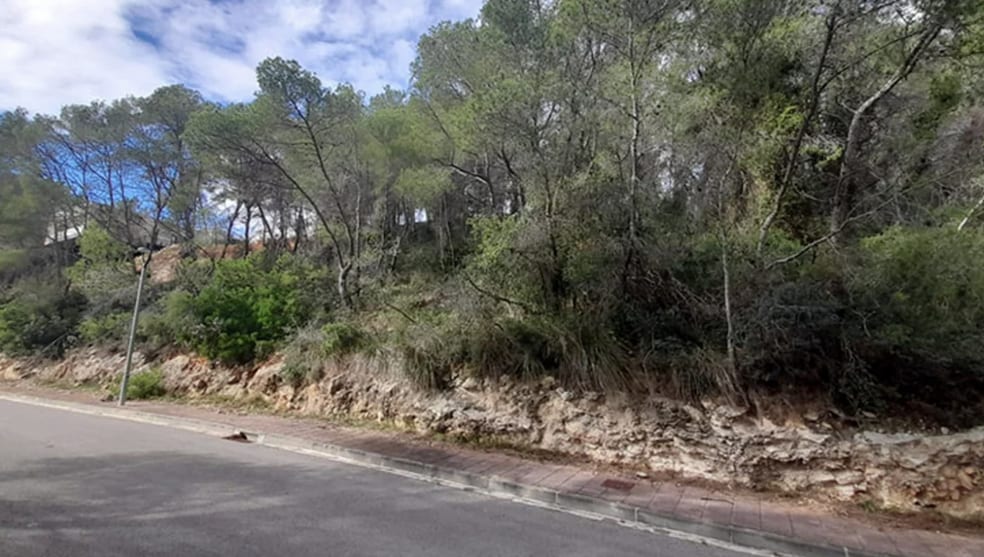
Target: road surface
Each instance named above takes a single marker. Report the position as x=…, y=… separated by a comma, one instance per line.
x=85, y=486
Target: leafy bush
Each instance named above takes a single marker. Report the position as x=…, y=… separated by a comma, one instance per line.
x=341, y=339
x=922, y=291
x=430, y=354
x=13, y=262
x=578, y=352
x=247, y=308
x=917, y=325
x=304, y=357
x=105, y=273
x=506, y=262
x=170, y=320
x=144, y=385
x=39, y=317
x=111, y=328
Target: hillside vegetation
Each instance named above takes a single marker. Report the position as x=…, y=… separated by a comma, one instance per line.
x=729, y=198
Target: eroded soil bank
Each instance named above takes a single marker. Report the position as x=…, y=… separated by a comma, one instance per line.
x=811, y=453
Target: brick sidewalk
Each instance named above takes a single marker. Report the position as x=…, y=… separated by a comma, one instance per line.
x=740, y=518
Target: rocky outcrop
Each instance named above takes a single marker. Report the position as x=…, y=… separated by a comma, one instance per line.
x=712, y=441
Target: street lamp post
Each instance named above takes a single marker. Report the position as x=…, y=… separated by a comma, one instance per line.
x=133, y=327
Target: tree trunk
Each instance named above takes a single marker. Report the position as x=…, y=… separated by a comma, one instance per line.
x=228, y=235
x=247, y=239
x=970, y=214
x=847, y=178
x=816, y=89
x=342, y=284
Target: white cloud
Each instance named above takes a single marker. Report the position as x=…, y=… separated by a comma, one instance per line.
x=56, y=52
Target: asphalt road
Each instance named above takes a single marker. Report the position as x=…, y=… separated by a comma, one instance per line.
x=79, y=485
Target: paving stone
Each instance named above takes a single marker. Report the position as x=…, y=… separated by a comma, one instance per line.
x=775, y=520
x=747, y=514
x=690, y=507
x=665, y=501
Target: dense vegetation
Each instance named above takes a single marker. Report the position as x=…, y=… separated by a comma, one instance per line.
x=691, y=197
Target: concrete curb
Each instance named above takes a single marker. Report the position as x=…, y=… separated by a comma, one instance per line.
x=761, y=543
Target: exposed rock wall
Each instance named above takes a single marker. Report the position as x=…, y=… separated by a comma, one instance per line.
x=714, y=442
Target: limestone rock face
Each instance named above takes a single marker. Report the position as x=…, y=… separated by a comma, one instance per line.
x=713, y=441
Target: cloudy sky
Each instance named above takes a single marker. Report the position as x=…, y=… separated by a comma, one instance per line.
x=57, y=52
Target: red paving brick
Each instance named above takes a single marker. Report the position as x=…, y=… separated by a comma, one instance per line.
x=690, y=507
x=950, y=546
x=557, y=479
x=464, y=462
x=594, y=487
x=668, y=499
x=613, y=495
x=718, y=511
x=843, y=530
x=519, y=472
x=809, y=530
x=747, y=515
x=911, y=544
x=578, y=481
x=535, y=474
x=775, y=519
x=641, y=494
x=876, y=541
x=503, y=466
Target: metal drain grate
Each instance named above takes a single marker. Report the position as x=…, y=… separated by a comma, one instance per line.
x=618, y=485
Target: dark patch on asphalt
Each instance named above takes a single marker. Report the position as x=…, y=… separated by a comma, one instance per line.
x=618, y=485
x=238, y=437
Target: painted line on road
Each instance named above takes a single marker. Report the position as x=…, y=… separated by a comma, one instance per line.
x=749, y=542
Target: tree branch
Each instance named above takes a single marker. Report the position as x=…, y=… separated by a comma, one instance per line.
x=497, y=297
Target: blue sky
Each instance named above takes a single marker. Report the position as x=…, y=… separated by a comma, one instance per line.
x=57, y=52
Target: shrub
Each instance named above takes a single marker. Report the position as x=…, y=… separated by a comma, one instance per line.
x=683, y=371
x=579, y=352
x=304, y=357
x=170, y=320
x=144, y=385
x=105, y=273
x=430, y=354
x=13, y=263
x=111, y=328
x=39, y=318
x=293, y=374
x=922, y=291
x=917, y=325
x=247, y=308
x=341, y=339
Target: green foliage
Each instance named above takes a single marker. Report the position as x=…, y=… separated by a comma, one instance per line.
x=27, y=201
x=97, y=247
x=424, y=184
x=304, y=357
x=39, y=317
x=430, y=354
x=578, y=352
x=592, y=214
x=945, y=92
x=504, y=260
x=104, y=273
x=171, y=320
x=144, y=385
x=922, y=290
x=14, y=263
x=248, y=307
x=341, y=339
x=111, y=328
